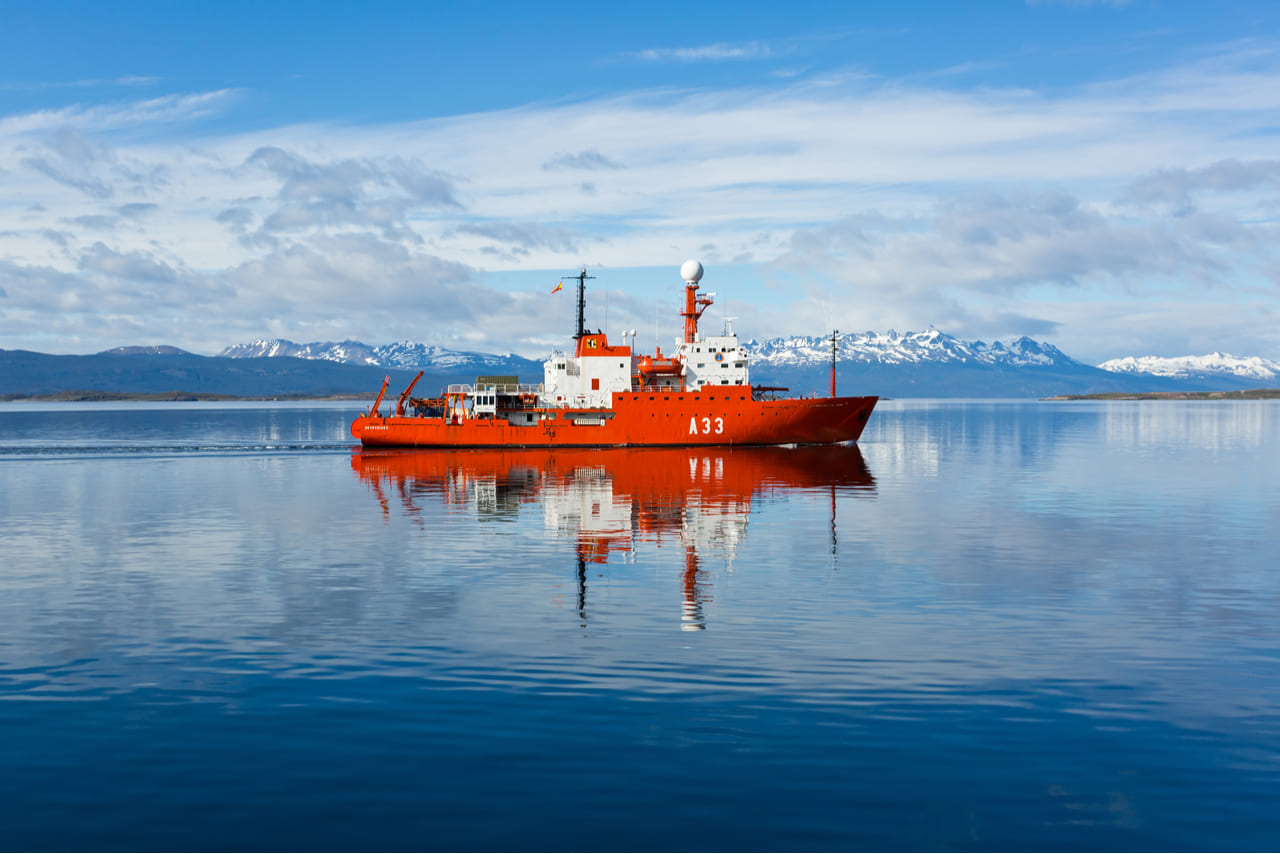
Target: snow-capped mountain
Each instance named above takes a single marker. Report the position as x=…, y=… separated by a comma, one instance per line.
x=1192, y=367
x=347, y=352
x=408, y=354
x=145, y=350
x=901, y=349
x=890, y=348
x=401, y=354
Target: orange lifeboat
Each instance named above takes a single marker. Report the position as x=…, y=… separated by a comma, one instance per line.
x=651, y=368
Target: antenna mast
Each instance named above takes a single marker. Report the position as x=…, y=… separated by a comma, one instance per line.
x=835, y=333
x=694, y=305
x=582, y=277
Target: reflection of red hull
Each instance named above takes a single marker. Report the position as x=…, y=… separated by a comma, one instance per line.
x=638, y=419
x=610, y=499
x=676, y=477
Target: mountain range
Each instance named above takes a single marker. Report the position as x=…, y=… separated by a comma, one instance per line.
x=894, y=348
x=934, y=364
x=890, y=364
x=1252, y=368
x=402, y=354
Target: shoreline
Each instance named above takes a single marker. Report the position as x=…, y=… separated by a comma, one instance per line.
x=1247, y=394
x=167, y=396
x=195, y=397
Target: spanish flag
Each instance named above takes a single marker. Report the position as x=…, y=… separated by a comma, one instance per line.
x=558, y=287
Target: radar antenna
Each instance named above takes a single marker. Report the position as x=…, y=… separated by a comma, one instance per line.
x=694, y=305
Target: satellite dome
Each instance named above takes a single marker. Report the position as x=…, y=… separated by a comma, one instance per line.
x=691, y=271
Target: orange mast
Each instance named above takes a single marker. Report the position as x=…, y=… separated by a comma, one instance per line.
x=694, y=305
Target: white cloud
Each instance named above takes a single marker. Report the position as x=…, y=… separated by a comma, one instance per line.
x=719, y=52
x=519, y=239
x=1080, y=3
x=128, y=80
x=1175, y=187
x=589, y=160
x=167, y=109
x=984, y=212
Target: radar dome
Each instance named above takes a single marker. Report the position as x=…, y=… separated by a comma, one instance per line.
x=691, y=271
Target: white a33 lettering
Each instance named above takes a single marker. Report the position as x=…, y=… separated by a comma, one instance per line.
x=707, y=424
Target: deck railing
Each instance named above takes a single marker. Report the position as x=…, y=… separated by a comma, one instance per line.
x=496, y=388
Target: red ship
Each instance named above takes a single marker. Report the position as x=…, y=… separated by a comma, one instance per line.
x=606, y=395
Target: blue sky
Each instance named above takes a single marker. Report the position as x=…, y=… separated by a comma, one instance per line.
x=1101, y=175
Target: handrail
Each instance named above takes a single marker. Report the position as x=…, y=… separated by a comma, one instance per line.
x=506, y=388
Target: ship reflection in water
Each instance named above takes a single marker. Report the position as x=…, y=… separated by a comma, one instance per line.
x=610, y=500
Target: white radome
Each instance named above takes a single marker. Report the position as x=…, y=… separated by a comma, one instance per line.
x=691, y=271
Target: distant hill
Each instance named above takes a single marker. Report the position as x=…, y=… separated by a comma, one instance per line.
x=25, y=373
x=961, y=379
x=145, y=351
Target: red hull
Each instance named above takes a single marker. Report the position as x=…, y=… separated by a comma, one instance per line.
x=637, y=419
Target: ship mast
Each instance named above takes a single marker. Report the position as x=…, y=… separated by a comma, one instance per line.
x=694, y=305
x=582, y=301
x=835, y=333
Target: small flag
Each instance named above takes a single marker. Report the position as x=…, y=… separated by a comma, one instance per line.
x=558, y=287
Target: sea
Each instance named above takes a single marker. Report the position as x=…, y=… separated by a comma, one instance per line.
x=989, y=625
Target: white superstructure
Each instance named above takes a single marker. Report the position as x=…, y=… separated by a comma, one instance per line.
x=597, y=369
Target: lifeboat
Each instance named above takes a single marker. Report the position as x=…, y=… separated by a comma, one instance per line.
x=650, y=368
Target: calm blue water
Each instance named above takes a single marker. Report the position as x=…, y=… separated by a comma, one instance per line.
x=990, y=626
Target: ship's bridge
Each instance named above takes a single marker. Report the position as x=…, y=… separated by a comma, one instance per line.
x=589, y=378
x=714, y=360
x=597, y=344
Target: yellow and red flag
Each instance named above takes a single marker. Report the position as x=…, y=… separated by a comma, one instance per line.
x=558, y=287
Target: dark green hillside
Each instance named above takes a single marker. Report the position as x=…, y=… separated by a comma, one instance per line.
x=24, y=373
x=971, y=379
